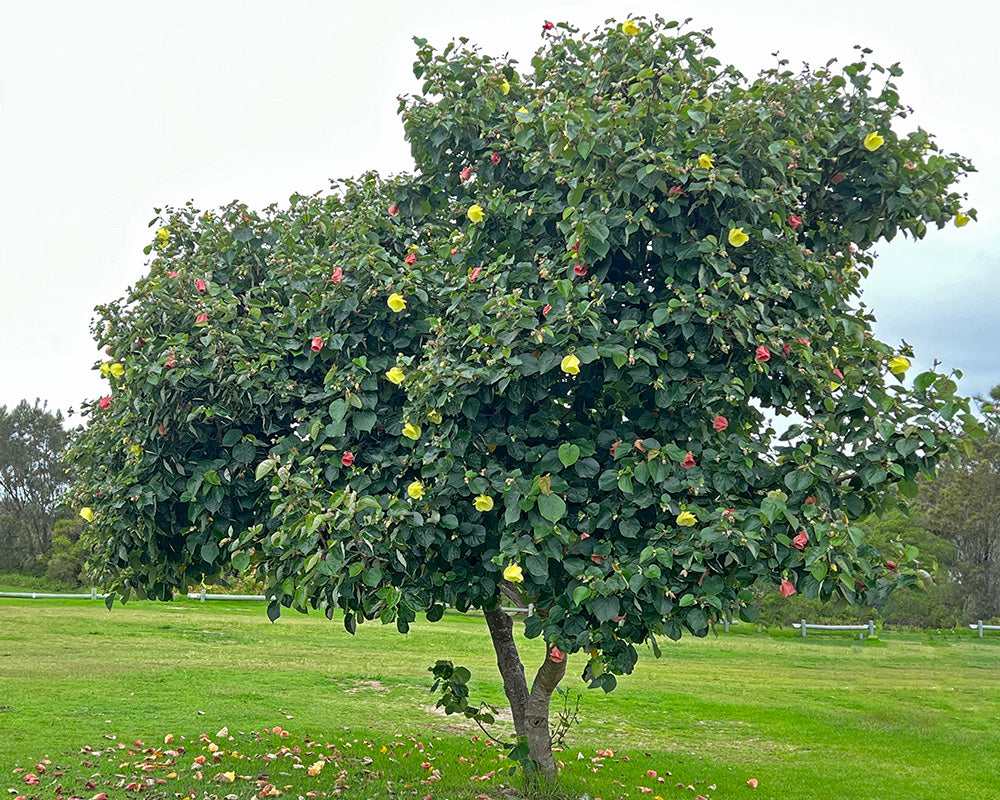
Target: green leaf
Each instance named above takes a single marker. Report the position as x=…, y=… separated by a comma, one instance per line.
x=264, y=468
x=552, y=507
x=798, y=480
x=568, y=454
x=232, y=437
x=241, y=561
x=606, y=608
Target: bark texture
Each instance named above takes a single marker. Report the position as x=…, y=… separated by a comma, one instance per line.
x=537, y=718
x=515, y=686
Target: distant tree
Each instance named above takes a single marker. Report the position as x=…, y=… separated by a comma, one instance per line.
x=962, y=506
x=33, y=478
x=539, y=370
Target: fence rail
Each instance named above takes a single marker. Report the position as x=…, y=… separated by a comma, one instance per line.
x=93, y=595
x=980, y=627
x=804, y=626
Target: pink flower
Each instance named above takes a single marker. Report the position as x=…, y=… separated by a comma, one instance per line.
x=794, y=221
x=546, y=309
x=802, y=340
x=104, y=403
x=613, y=448
x=454, y=250
x=547, y=26
x=411, y=259
x=347, y=459
x=584, y=535
x=720, y=423
x=688, y=461
x=891, y=566
x=474, y=274
x=674, y=191
x=173, y=274
x=201, y=319
x=201, y=286
x=495, y=158
x=752, y=783
x=557, y=656
x=729, y=514
x=170, y=363
x=317, y=344
x=838, y=373
x=393, y=210
x=597, y=559
x=810, y=501
x=337, y=275
x=801, y=540
x=787, y=589
x=786, y=348
x=31, y=779
x=762, y=354
x=579, y=270
x=466, y=173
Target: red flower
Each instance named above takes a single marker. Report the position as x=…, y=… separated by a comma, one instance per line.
x=547, y=26
x=170, y=363
x=575, y=246
x=546, y=310
x=837, y=178
x=466, y=173
x=317, y=344
x=474, y=274
x=838, y=373
x=762, y=354
x=454, y=250
x=163, y=430
x=729, y=514
x=337, y=275
x=393, y=210
x=495, y=158
x=786, y=348
x=200, y=286
x=411, y=259
x=891, y=566
x=579, y=270
x=720, y=423
x=810, y=501
x=802, y=340
x=104, y=403
x=173, y=274
x=794, y=221
x=557, y=656
x=752, y=783
x=637, y=444
x=688, y=461
x=674, y=191
x=787, y=589
x=801, y=540
x=347, y=459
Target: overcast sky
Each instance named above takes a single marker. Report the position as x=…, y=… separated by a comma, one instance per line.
x=109, y=109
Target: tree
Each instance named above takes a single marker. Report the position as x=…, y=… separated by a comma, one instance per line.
x=33, y=478
x=962, y=506
x=544, y=367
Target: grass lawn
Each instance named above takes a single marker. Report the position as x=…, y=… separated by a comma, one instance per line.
x=96, y=693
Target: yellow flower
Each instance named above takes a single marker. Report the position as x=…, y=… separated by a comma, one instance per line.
x=105, y=369
x=570, y=364
x=396, y=302
x=686, y=519
x=738, y=237
x=505, y=87
x=163, y=235
x=411, y=431
x=316, y=768
x=434, y=416
x=961, y=220
x=117, y=370
x=230, y=777
x=476, y=213
x=483, y=502
x=629, y=27
x=396, y=375
x=898, y=365
x=523, y=114
x=415, y=490
x=87, y=513
x=513, y=574
x=136, y=450
x=705, y=161
x=873, y=141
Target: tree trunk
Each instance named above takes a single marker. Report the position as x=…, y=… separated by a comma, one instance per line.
x=539, y=741
x=511, y=670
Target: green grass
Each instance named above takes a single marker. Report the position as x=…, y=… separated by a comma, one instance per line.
x=912, y=716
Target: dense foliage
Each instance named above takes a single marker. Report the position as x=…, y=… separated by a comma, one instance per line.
x=548, y=363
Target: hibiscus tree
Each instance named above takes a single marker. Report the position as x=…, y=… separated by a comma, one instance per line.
x=553, y=385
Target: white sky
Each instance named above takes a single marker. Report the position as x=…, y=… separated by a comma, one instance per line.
x=109, y=109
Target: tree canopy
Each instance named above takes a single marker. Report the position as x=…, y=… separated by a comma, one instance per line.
x=602, y=352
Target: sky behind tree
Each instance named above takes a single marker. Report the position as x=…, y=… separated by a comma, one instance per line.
x=111, y=109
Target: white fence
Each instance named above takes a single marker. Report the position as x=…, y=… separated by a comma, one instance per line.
x=93, y=595
x=980, y=627
x=804, y=626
